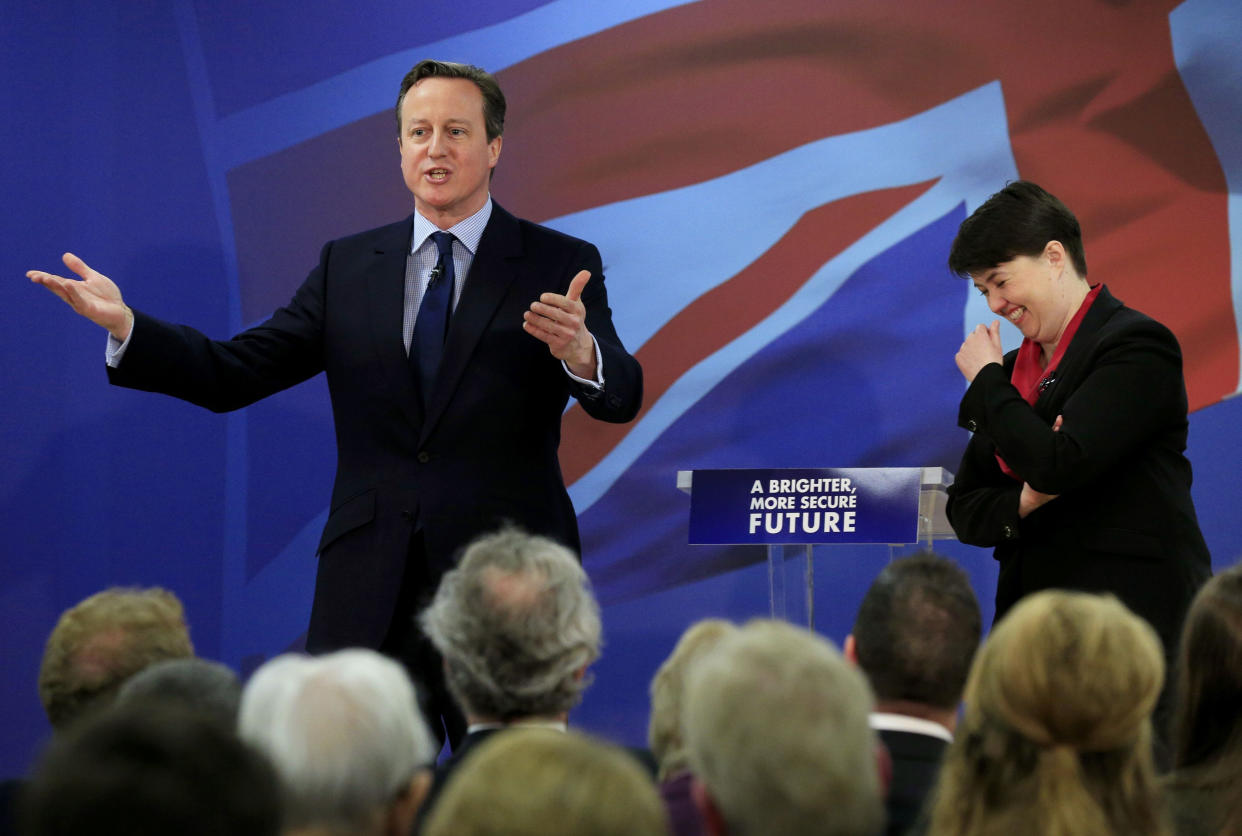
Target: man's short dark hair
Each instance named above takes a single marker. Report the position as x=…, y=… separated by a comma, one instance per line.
x=493, y=98
x=1020, y=219
x=917, y=631
x=139, y=770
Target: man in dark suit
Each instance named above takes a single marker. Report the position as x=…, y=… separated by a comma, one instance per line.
x=915, y=636
x=517, y=625
x=451, y=340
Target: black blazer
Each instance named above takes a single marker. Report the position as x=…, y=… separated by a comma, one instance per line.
x=1123, y=521
x=483, y=451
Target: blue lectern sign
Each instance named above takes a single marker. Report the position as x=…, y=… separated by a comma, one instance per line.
x=813, y=505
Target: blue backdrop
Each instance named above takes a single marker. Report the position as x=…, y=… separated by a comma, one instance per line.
x=774, y=200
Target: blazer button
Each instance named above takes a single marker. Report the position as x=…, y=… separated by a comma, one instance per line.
x=423, y=456
x=1008, y=531
x=972, y=425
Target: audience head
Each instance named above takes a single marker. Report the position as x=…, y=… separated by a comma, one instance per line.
x=1018, y=220
x=198, y=684
x=916, y=633
x=517, y=625
x=668, y=687
x=539, y=782
x=346, y=738
x=151, y=771
x=1207, y=720
x=102, y=641
x=1056, y=736
x=776, y=727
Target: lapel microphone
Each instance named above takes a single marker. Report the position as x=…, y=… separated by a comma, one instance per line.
x=437, y=271
x=1048, y=381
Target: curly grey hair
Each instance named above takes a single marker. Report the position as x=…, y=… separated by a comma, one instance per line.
x=516, y=622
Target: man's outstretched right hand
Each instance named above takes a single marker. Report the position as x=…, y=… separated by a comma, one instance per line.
x=95, y=296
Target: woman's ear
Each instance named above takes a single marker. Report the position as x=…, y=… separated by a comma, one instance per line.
x=1056, y=256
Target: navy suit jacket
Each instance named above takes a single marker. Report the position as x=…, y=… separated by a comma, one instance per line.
x=482, y=451
x=444, y=770
x=916, y=766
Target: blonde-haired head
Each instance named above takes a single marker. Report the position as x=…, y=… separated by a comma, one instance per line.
x=1056, y=737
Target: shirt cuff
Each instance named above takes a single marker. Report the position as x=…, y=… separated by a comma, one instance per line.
x=116, y=349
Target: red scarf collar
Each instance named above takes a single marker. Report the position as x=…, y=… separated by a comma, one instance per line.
x=1030, y=377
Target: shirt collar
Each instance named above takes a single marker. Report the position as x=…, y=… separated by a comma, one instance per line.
x=555, y=725
x=467, y=231
x=881, y=721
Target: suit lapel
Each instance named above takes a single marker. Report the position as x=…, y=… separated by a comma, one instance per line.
x=491, y=274
x=386, y=301
x=1076, y=360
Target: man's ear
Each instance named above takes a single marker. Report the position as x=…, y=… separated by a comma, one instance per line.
x=493, y=151
x=850, y=650
x=400, y=820
x=709, y=814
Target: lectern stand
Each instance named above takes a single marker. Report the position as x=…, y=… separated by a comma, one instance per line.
x=790, y=511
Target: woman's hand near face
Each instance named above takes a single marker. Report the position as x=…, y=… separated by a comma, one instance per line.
x=981, y=346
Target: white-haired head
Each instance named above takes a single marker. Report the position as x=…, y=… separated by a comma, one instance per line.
x=344, y=733
x=776, y=728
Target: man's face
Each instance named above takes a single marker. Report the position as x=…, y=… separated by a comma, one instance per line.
x=446, y=158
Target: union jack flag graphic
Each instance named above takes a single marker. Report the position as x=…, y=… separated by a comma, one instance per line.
x=774, y=188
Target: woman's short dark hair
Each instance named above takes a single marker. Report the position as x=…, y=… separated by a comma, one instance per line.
x=493, y=98
x=1020, y=219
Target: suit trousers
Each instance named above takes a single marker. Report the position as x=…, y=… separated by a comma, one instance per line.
x=406, y=642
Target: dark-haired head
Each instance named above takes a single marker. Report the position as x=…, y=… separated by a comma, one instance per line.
x=1020, y=219
x=917, y=630
x=151, y=769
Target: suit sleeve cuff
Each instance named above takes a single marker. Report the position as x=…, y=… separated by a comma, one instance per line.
x=597, y=384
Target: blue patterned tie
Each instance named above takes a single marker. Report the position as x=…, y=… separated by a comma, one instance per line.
x=433, y=315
